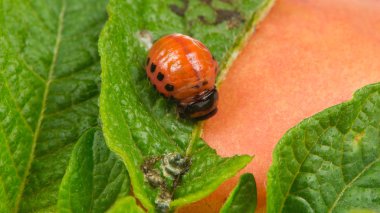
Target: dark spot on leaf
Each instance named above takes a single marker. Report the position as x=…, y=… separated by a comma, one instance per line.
x=160, y=76
x=207, y=1
x=203, y=20
x=178, y=10
x=152, y=67
x=234, y=18
x=227, y=1
x=169, y=87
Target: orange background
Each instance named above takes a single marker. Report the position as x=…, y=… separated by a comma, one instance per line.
x=304, y=57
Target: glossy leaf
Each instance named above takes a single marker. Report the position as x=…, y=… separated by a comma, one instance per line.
x=244, y=196
x=127, y=204
x=138, y=123
x=330, y=162
x=95, y=177
x=49, y=85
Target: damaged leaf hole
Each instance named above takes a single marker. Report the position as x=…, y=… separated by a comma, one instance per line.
x=165, y=173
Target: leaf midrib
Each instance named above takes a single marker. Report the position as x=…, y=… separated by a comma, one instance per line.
x=347, y=186
x=44, y=99
x=299, y=168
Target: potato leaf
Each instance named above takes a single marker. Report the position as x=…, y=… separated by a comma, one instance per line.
x=49, y=86
x=362, y=211
x=140, y=125
x=127, y=204
x=330, y=162
x=244, y=196
x=95, y=177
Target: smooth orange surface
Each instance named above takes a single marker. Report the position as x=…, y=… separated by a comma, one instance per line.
x=184, y=63
x=304, y=57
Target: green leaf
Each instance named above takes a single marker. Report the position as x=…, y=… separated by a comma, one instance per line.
x=330, y=162
x=362, y=211
x=127, y=204
x=95, y=177
x=49, y=85
x=138, y=124
x=244, y=196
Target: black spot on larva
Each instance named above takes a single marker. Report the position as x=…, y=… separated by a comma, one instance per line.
x=204, y=83
x=160, y=76
x=196, y=86
x=147, y=61
x=169, y=87
x=152, y=67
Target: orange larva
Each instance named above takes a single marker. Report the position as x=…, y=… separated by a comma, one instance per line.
x=182, y=68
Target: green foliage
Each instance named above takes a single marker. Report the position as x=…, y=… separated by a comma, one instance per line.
x=49, y=85
x=362, y=211
x=138, y=124
x=331, y=161
x=244, y=196
x=95, y=177
x=126, y=204
x=49, y=88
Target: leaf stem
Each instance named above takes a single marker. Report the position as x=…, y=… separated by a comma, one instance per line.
x=197, y=131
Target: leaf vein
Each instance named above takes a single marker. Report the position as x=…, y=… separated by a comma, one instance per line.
x=44, y=99
x=6, y=193
x=79, y=70
x=299, y=168
x=9, y=150
x=31, y=69
x=351, y=182
x=71, y=106
x=16, y=105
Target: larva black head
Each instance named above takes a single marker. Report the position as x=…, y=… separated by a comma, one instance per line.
x=202, y=107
